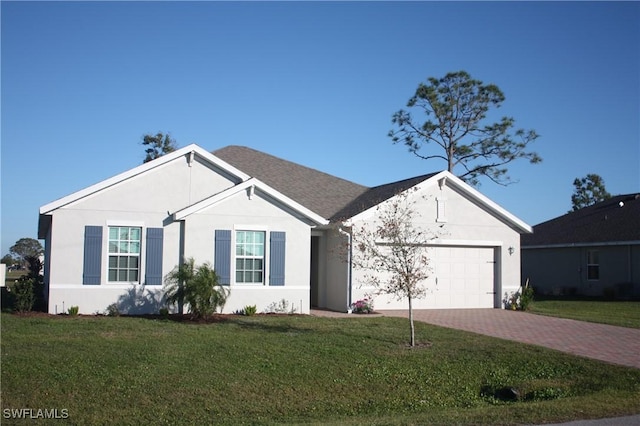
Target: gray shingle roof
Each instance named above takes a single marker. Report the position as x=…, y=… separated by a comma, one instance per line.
x=604, y=222
x=329, y=196
x=320, y=192
x=376, y=195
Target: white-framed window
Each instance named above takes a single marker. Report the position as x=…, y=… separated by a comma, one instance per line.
x=124, y=253
x=250, y=249
x=593, y=265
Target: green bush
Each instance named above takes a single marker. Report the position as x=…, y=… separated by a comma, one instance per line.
x=22, y=293
x=526, y=297
x=520, y=300
x=73, y=311
x=249, y=310
x=196, y=286
x=112, y=310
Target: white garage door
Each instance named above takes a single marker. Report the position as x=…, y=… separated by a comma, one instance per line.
x=464, y=278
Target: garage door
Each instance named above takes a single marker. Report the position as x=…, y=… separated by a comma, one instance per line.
x=464, y=278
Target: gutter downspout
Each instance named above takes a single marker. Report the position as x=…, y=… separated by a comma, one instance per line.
x=349, y=265
x=181, y=252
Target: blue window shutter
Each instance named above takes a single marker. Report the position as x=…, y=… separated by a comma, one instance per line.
x=277, y=255
x=222, y=256
x=153, y=268
x=92, y=269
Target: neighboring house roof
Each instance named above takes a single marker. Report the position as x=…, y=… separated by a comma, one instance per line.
x=320, y=192
x=613, y=221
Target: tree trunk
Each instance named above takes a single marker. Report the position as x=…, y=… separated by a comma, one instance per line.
x=413, y=334
x=450, y=159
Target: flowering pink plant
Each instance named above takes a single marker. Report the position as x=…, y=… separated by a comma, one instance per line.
x=364, y=306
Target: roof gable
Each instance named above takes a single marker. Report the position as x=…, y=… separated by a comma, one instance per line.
x=480, y=199
x=384, y=192
x=611, y=221
x=191, y=150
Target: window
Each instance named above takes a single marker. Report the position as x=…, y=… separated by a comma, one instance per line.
x=124, y=254
x=593, y=265
x=250, y=257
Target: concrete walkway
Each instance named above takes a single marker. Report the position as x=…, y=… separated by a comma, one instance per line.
x=616, y=345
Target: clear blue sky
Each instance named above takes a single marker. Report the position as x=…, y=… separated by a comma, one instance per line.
x=314, y=83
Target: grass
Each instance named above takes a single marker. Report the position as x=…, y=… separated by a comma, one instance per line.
x=295, y=369
x=624, y=314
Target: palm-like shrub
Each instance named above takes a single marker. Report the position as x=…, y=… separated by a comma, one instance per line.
x=196, y=286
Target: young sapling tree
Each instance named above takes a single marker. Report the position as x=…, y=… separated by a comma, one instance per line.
x=393, y=250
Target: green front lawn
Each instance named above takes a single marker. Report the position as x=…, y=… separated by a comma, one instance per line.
x=624, y=314
x=295, y=369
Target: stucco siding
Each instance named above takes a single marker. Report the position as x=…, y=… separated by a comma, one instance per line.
x=634, y=268
x=67, y=239
x=337, y=273
x=472, y=224
x=163, y=189
x=457, y=223
x=196, y=209
x=547, y=279
x=563, y=270
x=129, y=299
x=239, y=213
x=614, y=267
x=147, y=201
x=467, y=220
x=65, y=266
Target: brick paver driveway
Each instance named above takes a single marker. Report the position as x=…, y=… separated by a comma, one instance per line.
x=617, y=345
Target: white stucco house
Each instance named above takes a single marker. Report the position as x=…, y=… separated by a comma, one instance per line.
x=270, y=228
